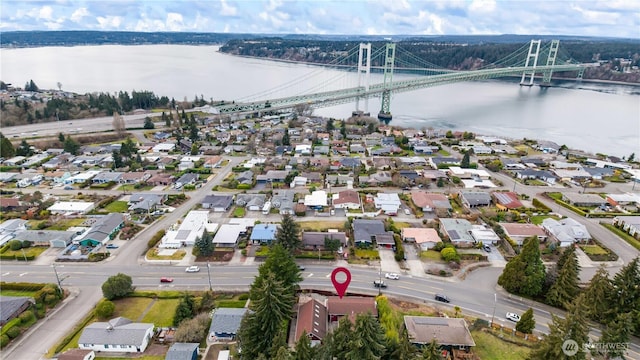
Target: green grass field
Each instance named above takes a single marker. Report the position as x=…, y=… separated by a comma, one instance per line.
x=489, y=347
x=117, y=207
x=161, y=312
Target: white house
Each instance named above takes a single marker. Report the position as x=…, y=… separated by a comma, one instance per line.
x=566, y=231
x=193, y=226
x=388, y=203
x=317, y=198
x=116, y=335
x=71, y=207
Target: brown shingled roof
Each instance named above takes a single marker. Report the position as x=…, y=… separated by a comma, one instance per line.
x=312, y=318
x=352, y=304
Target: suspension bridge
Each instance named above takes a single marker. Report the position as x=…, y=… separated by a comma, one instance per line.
x=529, y=60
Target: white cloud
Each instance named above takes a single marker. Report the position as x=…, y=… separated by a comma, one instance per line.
x=109, y=22
x=79, y=14
x=483, y=6
x=227, y=10
x=174, y=22
x=45, y=12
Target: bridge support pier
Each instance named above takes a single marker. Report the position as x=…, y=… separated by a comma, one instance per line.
x=385, y=112
x=532, y=57
x=551, y=61
x=364, y=71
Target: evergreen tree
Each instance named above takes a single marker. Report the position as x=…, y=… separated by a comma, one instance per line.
x=625, y=296
x=148, y=123
x=166, y=119
x=527, y=323
x=288, y=233
x=285, y=138
x=71, y=146
x=185, y=309
x=403, y=350
x=343, y=128
x=342, y=337
x=6, y=148
x=618, y=331
x=204, y=245
x=279, y=342
x=574, y=327
x=117, y=159
x=369, y=342
x=565, y=288
x=24, y=149
x=597, y=294
x=193, y=132
x=283, y=353
x=465, y=160
x=271, y=306
x=525, y=273
x=330, y=126
x=432, y=351
x=303, y=350
x=280, y=263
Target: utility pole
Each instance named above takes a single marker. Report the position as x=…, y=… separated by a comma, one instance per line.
x=380, y=279
x=209, y=274
x=57, y=277
x=495, y=301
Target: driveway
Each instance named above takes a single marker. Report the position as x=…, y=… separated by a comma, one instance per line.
x=416, y=268
x=388, y=262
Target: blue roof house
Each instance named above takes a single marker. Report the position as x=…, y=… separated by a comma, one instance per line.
x=264, y=233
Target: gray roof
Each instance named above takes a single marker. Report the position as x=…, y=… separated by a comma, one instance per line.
x=10, y=304
x=251, y=199
x=118, y=331
x=457, y=229
x=187, y=178
x=227, y=320
x=181, y=351
x=363, y=229
x=44, y=235
x=475, y=198
x=218, y=200
x=104, y=226
x=12, y=225
x=107, y=176
x=446, y=331
x=316, y=238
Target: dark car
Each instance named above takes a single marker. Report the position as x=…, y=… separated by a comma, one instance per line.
x=112, y=246
x=442, y=298
x=166, y=279
x=486, y=248
x=379, y=284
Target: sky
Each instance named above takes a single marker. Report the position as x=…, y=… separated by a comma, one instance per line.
x=611, y=18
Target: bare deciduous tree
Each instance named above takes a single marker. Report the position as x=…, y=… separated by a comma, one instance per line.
x=193, y=330
x=118, y=124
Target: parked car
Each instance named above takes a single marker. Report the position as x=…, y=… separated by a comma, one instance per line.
x=68, y=187
x=112, y=246
x=191, y=269
x=513, y=317
x=443, y=298
x=407, y=211
x=392, y=276
x=301, y=267
x=166, y=279
x=379, y=284
x=486, y=248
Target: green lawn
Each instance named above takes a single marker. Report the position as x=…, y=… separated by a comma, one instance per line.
x=321, y=225
x=132, y=308
x=431, y=255
x=367, y=254
x=117, y=207
x=153, y=254
x=489, y=347
x=443, y=152
x=64, y=224
x=17, y=293
x=32, y=251
x=231, y=303
x=537, y=219
x=239, y=212
x=593, y=250
x=161, y=312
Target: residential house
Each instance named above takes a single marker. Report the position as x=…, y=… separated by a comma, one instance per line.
x=264, y=233
x=107, y=177
x=298, y=181
x=338, y=179
x=519, y=232
x=379, y=178
x=12, y=306
x=599, y=173
x=458, y=231
x=146, y=202
x=52, y=238
x=569, y=175
x=164, y=147
x=228, y=234
x=389, y=203
x=357, y=149
x=312, y=177
x=364, y=231
x=350, y=163
x=136, y=177
x=116, y=335
x=438, y=162
x=534, y=162
x=9, y=228
x=472, y=199
x=506, y=200
x=68, y=208
x=183, y=351
x=317, y=200
x=413, y=161
x=430, y=202
x=192, y=227
x=628, y=201
x=630, y=224
x=484, y=234
x=283, y=150
x=77, y=354
x=212, y=162
x=347, y=199
x=186, y=179
x=9, y=204
x=385, y=240
x=424, y=238
x=565, y=231
x=532, y=174
x=410, y=175
x=160, y=179
x=321, y=150
x=225, y=323
x=303, y=149
x=451, y=334
x=467, y=173
x=312, y=321
x=350, y=306
x=383, y=163
x=585, y=200
x=252, y=202
x=283, y=201
x=314, y=240
x=245, y=177
x=229, y=149
x=104, y=229
x=273, y=176
x=548, y=147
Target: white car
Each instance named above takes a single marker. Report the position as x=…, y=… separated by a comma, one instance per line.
x=192, y=269
x=392, y=276
x=513, y=317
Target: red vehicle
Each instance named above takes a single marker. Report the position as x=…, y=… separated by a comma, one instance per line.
x=166, y=279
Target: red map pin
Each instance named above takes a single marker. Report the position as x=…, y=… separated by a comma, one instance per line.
x=341, y=287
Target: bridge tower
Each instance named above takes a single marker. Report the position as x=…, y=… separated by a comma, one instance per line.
x=364, y=69
x=532, y=57
x=551, y=60
x=390, y=55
